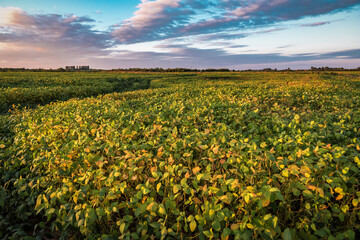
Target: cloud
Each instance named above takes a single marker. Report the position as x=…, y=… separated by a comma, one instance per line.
x=238, y=46
x=348, y=54
x=7, y=14
x=50, y=31
x=233, y=36
x=162, y=19
x=48, y=39
x=53, y=40
x=179, y=55
x=316, y=24
x=221, y=36
x=151, y=20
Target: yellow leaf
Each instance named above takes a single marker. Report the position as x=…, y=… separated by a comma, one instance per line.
x=338, y=190
x=150, y=206
x=158, y=186
x=299, y=153
x=249, y=225
x=320, y=191
x=316, y=149
x=161, y=209
x=285, y=173
x=235, y=226
x=355, y=202
x=170, y=160
x=215, y=149
x=311, y=187
x=176, y=188
x=265, y=203
x=87, y=162
x=247, y=198
x=193, y=225
x=225, y=199
x=339, y=197
x=196, y=170
x=160, y=152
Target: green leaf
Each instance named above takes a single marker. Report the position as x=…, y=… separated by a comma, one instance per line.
x=134, y=236
x=287, y=234
x=350, y=234
x=209, y=234
x=50, y=211
x=216, y=225
x=226, y=232
x=100, y=211
x=307, y=193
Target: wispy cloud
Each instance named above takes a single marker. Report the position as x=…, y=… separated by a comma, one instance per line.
x=190, y=57
x=161, y=19
x=315, y=24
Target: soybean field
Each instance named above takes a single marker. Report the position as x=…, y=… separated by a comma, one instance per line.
x=236, y=155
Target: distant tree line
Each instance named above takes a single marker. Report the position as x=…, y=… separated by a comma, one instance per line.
x=42, y=70
x=171, y=70
x=175, y=70
x=333, y=69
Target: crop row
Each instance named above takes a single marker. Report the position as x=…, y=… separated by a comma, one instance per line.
x=32, y=89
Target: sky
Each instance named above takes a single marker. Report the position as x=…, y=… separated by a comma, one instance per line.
x=234, y=34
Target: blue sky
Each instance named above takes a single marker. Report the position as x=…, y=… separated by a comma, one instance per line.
x=235, y=34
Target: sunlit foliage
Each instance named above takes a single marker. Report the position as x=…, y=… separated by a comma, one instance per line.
x=203, y=156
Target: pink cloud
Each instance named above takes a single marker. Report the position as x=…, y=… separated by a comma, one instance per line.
x=47, y=38
x=7, y=15
x=151, y=14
